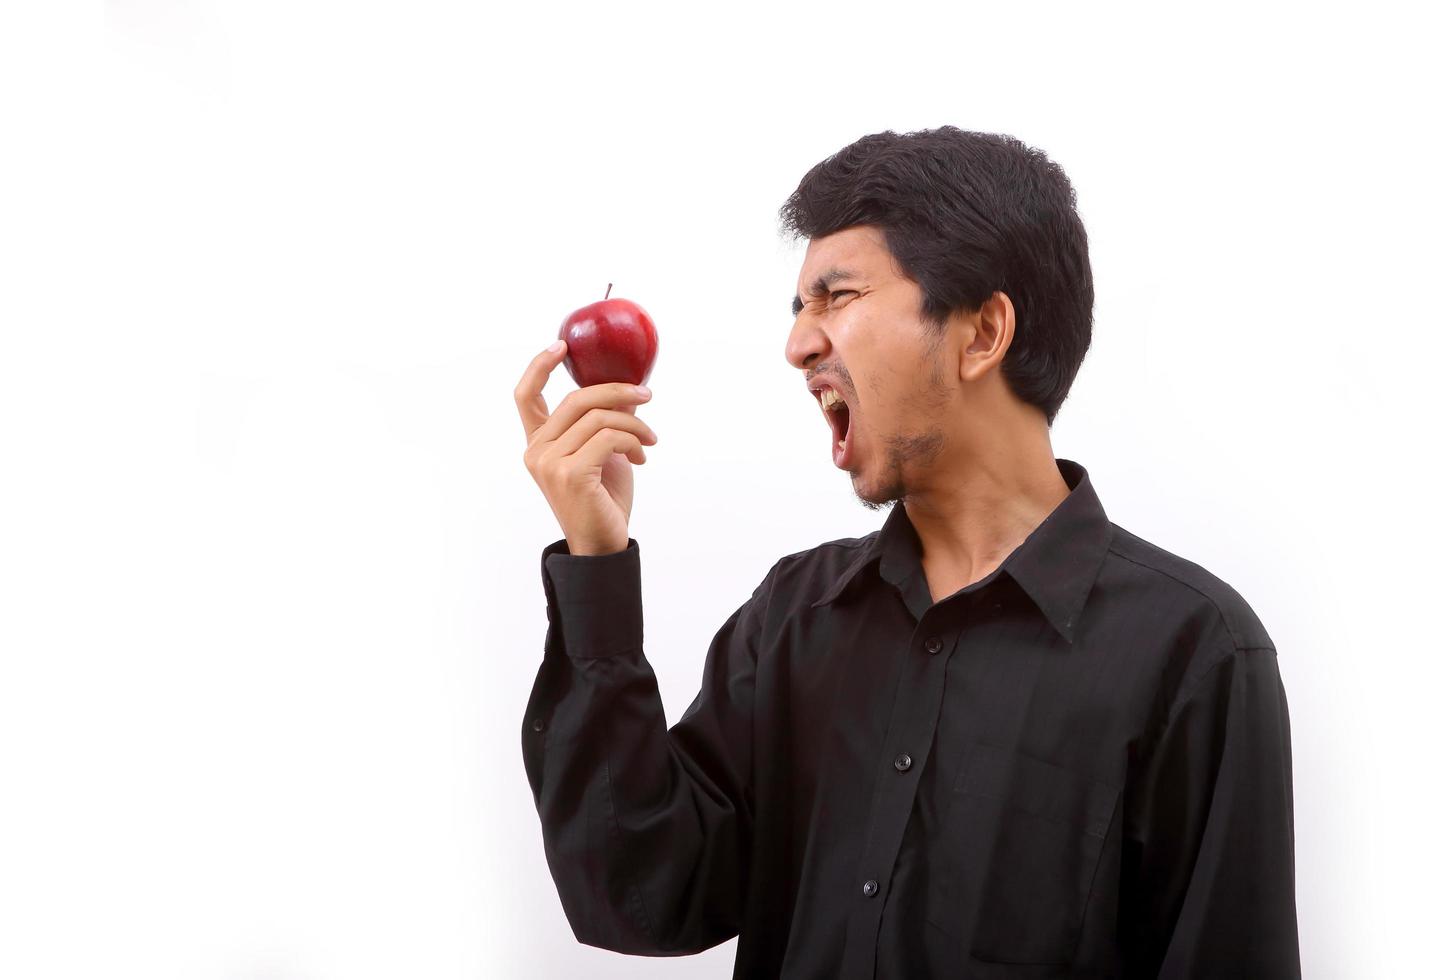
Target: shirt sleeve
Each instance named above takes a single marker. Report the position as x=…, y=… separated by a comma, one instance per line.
x=1210, y=862
x=647, y=831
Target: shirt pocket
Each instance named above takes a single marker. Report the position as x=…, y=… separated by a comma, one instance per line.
x=1045, y=826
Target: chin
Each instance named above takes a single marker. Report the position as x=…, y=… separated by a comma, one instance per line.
x=880, y=496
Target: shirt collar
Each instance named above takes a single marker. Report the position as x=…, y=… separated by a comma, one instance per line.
x=1055, y=565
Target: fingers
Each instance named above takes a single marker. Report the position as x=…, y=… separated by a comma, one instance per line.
x=595, y=452
x=581, y=414
x=528, y=393
x=613, y=395
x=596, y=420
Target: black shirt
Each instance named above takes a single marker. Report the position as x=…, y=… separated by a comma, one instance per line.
x=1079, y=764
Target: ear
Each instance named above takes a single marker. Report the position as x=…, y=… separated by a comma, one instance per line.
x=990, y=332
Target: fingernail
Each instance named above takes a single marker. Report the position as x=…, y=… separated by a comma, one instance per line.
x=643, y=391
x=555, y=347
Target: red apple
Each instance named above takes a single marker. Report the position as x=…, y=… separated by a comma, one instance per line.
x=610, y=340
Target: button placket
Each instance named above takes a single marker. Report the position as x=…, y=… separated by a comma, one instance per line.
x=911, y=731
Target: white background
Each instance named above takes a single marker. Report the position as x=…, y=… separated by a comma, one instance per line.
x=270, y=270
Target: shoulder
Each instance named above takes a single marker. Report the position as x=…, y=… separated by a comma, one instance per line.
x=834, y=555
x=1213, y=630
x=807, y=574
x=1209, y=602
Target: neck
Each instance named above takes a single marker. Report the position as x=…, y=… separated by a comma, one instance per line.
x=971, y=518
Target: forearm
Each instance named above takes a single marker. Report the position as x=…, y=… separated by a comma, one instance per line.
x=645, y=829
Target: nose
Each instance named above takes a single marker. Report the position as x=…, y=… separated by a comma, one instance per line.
x=806, y=345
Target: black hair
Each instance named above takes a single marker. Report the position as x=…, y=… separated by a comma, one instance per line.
x=965, y=214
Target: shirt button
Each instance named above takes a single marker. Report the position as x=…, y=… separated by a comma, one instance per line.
x=902, y=763
x=933, y=644
x=871, y=887
x=538, y=725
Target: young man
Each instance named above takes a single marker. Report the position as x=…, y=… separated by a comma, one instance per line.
x=1001, y=736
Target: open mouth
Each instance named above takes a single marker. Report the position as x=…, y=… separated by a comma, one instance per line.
x=840, y=441
x=838, y=416
x=840, y=422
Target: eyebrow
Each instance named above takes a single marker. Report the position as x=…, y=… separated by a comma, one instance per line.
x=821, y=286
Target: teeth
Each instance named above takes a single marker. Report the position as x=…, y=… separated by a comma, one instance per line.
x=829, y=399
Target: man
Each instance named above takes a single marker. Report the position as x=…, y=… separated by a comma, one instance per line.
x=1002, y=736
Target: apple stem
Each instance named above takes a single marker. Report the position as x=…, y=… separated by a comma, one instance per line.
x=609, y=290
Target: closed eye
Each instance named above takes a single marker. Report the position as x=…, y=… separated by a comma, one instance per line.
x=797, y=305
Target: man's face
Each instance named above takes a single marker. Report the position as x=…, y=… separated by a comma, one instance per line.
x=865, y=335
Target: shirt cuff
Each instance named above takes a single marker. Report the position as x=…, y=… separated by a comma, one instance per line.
x=595, y=600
